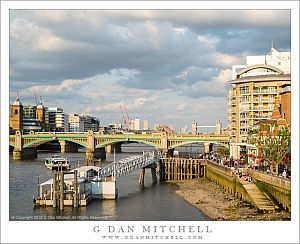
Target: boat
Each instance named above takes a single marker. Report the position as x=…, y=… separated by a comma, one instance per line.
x=56, y=162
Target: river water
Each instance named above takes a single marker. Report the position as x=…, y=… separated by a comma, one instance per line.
x=153, y=202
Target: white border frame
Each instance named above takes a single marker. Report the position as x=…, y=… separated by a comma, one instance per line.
x=222, y=232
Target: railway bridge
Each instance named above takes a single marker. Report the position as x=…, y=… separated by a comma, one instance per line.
x=25, y=145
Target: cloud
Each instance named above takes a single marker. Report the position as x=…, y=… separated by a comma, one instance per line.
x=215, y=87
x=164, y=65
x=181, y=107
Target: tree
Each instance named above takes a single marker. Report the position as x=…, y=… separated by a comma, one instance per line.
x=223, y=151
x=272, y=141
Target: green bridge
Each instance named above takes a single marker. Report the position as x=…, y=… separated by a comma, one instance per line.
x=25, y=145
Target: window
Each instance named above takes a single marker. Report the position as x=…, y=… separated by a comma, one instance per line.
x=16, y=111
x=244, y=89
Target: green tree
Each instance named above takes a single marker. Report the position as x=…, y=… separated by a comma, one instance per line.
x=273, y=142
x=223, y=151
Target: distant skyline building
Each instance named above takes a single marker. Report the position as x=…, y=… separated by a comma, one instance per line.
x=136, y=124
x=131, y=124
x=26, y=118
x=218, y=128
x=184, y=130
x=90, y=123
x=194, y=127
x=76, y=123
x=145, y=125
x=56, y=119
x=16, y=115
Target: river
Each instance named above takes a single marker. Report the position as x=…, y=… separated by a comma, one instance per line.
x=153, y=202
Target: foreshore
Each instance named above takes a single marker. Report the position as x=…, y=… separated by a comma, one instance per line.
x=217, y=204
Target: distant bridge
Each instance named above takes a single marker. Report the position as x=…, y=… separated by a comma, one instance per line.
x=97, y=144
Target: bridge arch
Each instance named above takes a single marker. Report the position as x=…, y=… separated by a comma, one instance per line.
x=183, y=143
x=42, y=141
x=107, y=143
x=180, y=144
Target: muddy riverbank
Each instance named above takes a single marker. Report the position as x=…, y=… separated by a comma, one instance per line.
x=217, y=204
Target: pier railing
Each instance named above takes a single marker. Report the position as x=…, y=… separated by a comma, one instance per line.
x=127, y=165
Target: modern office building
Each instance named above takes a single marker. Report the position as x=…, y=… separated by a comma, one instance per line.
x=90, y=123
x=254, y=88
x=145, y=125
x=29, y=112
x=56, y=119
x=76, y=123
x=136, y=125
x=131, y=124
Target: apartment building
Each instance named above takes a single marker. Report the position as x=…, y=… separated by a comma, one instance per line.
x=254, y=88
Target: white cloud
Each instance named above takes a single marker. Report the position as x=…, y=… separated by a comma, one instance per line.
x=204, y=41
x=37, y=37
x=179, y=30
x=167, y=65
x=181, y=107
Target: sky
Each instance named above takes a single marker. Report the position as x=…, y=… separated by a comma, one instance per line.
x=166, y=66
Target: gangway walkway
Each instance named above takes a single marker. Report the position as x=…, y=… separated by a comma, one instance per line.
x=127, y=165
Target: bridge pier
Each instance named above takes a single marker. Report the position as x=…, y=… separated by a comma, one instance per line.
x=117, y=147
x=100, y=153
x=89, y=156
x=97, y=153
x=208, y=147
x=66, y=146
x=19, y=152
x=152, y=167
x=25, y=153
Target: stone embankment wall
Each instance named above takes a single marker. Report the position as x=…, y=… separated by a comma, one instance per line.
x=227, y=180
x=276, y=187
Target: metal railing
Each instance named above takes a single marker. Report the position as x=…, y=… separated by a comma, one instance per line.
x=127, y=165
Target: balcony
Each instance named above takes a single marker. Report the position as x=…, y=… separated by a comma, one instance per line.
x=264, y=91
x=269, y=108
x=256, y=108
x=244, y=125
x=263, y=100
x=243, y=92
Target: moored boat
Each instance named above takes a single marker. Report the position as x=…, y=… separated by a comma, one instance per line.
x=57, y=162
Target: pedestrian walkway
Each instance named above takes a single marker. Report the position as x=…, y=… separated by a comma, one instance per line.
x=261, y=201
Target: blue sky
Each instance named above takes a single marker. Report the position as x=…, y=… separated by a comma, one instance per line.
x=167, y=66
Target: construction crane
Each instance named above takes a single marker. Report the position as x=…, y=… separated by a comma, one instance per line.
x=36, y=102
x=124, y=119
x=127, y=114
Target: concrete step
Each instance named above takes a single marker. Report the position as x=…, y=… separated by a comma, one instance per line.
x=261, y=201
